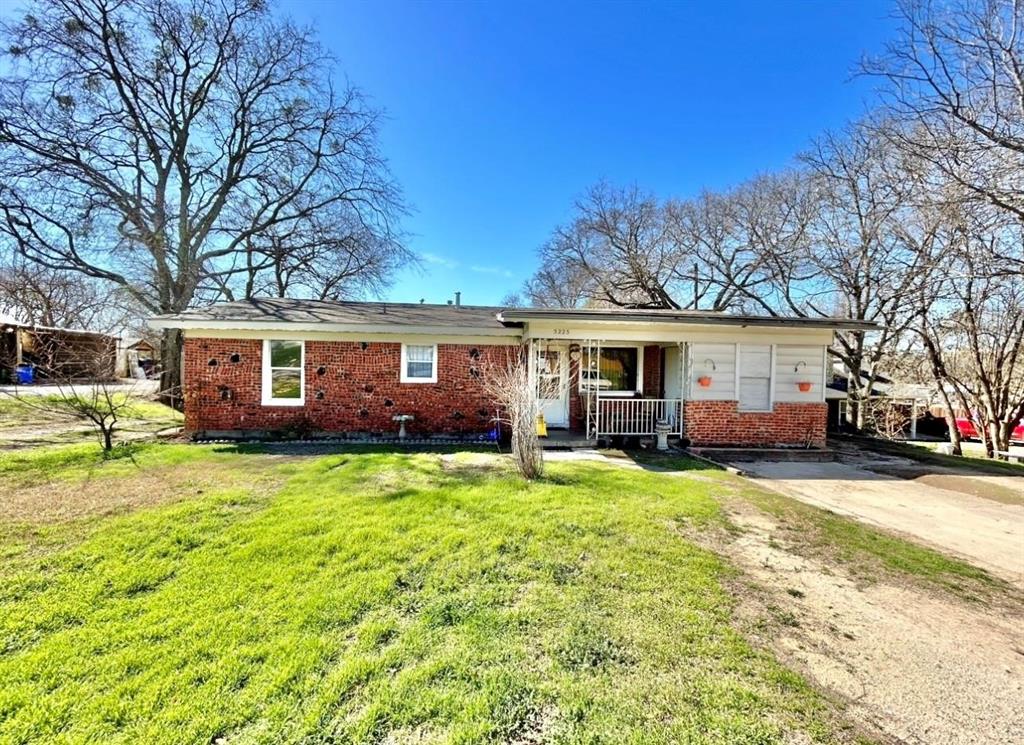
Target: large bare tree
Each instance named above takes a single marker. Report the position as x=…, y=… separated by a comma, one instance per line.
x=47, y=297
x=870, y=250
x=154, y=143
x=971, y=323
x=954, y=76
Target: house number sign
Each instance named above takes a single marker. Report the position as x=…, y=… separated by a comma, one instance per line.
x=560, y=332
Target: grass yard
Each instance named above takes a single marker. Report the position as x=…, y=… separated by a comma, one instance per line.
x=370, y=597
x=30, y=420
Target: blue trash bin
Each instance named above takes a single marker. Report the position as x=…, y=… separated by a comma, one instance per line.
x=26, y=374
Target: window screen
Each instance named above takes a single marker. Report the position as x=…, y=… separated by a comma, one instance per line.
x=616, y=370
x=755, y=377
x=419, y=362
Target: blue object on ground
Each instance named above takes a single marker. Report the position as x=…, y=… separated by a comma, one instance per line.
x=26, y=374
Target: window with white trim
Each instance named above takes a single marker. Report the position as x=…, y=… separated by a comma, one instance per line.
x=419, y=363
x=754, y=376
x=284, y=380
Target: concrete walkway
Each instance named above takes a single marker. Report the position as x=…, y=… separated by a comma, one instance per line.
x=984, y=532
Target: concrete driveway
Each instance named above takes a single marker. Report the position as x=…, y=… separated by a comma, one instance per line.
x=984, y=531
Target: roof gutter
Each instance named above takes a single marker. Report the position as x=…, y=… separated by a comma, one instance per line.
x=172, y=322
x=627, y=316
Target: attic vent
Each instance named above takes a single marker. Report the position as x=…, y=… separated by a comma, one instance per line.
x=212, y=362
x=235, y=358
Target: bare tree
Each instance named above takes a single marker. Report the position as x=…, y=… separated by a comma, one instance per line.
x=871, y=251
x=102, y=404
x=518, y=394
x=81, y=387
x=47, y=297
x=149, y=143
x=560, y=282
x=954, y=77
x=624, y=248
x=972, y=327
x=512, y=300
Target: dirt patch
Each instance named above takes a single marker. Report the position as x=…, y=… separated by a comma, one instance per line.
x=906, y=665
x=985, y=533
x=57, y=500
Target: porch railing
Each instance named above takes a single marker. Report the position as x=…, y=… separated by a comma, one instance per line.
x=635, y=416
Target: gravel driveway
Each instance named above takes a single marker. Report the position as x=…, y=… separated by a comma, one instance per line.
x=986, y=532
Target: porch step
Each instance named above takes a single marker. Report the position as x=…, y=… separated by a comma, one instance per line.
x=560, y=439
x=750, y=455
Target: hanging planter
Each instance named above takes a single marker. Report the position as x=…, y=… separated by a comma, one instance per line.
x=804, y=386
x=705, y=380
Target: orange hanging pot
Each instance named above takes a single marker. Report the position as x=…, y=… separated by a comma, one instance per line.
x=704, y=381
x=804, y=386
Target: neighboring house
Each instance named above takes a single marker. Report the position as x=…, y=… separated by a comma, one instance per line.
x=275, y=364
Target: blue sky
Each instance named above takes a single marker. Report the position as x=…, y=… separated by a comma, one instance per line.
x=500, y=114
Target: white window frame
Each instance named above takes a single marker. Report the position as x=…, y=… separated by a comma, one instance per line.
x=404, y=376
x=639, y=371
x=266, y=387
x=771, y=379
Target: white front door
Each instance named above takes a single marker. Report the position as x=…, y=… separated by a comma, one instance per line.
x=553, y=384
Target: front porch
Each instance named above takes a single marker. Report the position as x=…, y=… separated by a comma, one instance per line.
x=592, y=389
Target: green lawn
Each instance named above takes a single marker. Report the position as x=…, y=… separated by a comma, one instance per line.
x=371, y=597
x=30, y=420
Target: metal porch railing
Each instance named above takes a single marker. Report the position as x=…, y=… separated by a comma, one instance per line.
x=635, y=416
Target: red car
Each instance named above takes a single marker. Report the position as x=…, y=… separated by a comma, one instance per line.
x=968, y=431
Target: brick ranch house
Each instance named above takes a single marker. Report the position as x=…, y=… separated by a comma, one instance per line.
x=272, y=365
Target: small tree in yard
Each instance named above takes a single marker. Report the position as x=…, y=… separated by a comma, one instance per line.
x=101, y=404
x=518, y=395
x=85, y=390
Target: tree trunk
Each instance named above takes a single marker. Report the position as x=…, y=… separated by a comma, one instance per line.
x=954, y=432
x=171, y=374
x=108, y=438
x=1000, y=437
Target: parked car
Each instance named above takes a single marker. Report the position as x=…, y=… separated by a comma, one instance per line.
x=969, y=432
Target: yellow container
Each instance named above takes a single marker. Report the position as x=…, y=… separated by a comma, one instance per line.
x=542, y=426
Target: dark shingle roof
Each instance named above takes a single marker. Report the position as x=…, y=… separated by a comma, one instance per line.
x=332, y=312
x=480, y=319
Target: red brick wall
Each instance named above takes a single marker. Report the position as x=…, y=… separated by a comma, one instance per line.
x=719, y=423
x=348, y=389
x=652, y=371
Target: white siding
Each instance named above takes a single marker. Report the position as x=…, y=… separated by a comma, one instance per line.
x=796, y=364
x=718, y=362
